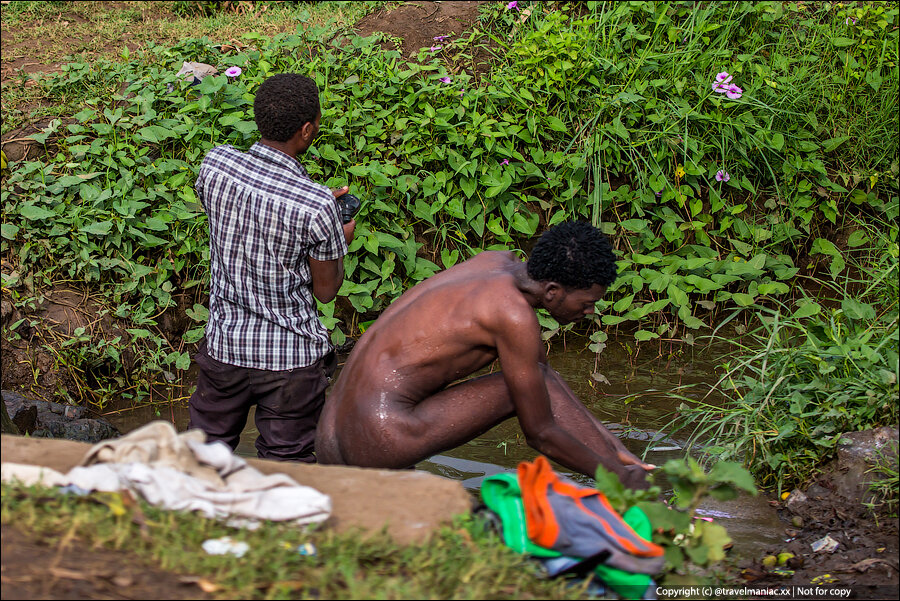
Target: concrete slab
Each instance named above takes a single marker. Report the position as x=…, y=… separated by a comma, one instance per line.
x=410, y=505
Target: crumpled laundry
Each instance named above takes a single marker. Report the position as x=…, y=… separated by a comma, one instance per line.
x=183, y=472
x=579, y=522
x=503, y=497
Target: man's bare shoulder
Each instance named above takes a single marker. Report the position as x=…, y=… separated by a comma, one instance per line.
x=481, y=290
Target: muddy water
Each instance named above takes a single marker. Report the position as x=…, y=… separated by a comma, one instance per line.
x=638, y=402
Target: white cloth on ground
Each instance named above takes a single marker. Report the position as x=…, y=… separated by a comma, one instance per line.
x=183, y=472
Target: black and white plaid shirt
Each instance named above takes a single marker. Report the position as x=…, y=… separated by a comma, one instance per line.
x=266, y=218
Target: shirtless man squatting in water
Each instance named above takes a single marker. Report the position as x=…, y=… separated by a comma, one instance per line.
x=399, y=398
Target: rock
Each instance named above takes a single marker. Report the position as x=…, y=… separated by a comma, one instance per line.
x=857, y=454
x=817, y=491
x=8, y=426
x=795, y=500
x=6, y=310
x=46, y=419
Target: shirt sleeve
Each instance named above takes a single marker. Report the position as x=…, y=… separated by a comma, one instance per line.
x=327, y=233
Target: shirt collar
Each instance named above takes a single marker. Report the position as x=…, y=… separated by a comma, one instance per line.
x=268, y=153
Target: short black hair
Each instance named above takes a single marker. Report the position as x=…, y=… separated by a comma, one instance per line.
x=574, y=254
x=283, y=103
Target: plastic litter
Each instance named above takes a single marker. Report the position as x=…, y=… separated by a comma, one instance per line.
x=825, y=544
x=193, y=73
x=306, y=549
x=225, y=546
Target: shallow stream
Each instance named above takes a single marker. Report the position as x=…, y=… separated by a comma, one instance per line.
x=640, y=399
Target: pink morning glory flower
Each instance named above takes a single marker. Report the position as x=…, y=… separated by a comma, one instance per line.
x=734, y=92
x=233, y=71
x=439, y=38
x=504, y=162
x=435, y=48
x=512, y=5
x=723, y=80
x=722, y=176
x=850, y=20
x=446, y=79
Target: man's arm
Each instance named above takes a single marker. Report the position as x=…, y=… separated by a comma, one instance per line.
x=327, y=276
x=519, y=347
x=521, y=357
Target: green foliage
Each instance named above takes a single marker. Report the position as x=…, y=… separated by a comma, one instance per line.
x=597, y=111
x=812, y=371
x=886, y=482
x=212, y=7
x=800, y=383
x=690, y=544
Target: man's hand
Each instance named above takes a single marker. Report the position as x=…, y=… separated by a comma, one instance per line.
x=350, y=226
x=630, y=459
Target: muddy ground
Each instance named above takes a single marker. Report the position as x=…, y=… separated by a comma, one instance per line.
x=37, y=568
x=866, y=557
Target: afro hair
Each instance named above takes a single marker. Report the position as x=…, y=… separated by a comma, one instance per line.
x=574, y=254
x=283, y=103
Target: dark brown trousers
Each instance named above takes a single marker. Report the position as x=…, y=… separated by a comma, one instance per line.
x=288, y=404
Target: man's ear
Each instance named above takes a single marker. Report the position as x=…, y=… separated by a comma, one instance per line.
x=306, y=131
x=296, y=141
x=552, y=290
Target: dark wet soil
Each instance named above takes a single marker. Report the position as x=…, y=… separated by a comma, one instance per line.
x=39, y=568
x=857, y=546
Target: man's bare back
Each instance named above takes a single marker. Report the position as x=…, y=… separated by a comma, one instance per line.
x=399, y=398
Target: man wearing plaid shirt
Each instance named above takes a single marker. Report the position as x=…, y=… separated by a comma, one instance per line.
x=275, y=241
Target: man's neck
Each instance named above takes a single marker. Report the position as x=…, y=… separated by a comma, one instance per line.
x=284, y=147
x=530, y=289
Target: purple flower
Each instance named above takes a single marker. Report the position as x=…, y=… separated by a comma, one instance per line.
x=233, y=71
x=722, y=176
x=439, y=38
x=504, y=162
x=723, y=80
x=462, y=91
x=512, y=5
x=435, y=48
x=734, y=92
x=659, y=194
x=446, y=79
x=850, y=20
